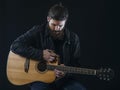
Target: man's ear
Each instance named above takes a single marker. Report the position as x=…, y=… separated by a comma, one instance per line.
x=48, y=18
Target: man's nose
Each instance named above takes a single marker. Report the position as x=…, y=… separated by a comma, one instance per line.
x=57, y=28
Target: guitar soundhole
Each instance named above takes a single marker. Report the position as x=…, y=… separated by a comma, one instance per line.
x=42, y=66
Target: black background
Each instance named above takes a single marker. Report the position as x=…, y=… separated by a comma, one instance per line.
x=90, y=19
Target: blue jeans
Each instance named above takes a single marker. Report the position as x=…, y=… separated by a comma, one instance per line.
x=62, y=84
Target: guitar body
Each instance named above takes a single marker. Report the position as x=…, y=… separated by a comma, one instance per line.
x=17, y=75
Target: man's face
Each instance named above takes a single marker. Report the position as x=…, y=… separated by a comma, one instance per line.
x=56, y=28
x=56, y=25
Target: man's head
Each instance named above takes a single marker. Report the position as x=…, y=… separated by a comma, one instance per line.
x=57, y=17
x=58, y=12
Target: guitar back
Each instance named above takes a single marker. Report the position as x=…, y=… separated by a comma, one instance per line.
x=16, y=71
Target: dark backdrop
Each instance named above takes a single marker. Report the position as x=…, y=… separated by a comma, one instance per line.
x=90, y=19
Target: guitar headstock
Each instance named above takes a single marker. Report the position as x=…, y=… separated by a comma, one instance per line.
x=105, y=74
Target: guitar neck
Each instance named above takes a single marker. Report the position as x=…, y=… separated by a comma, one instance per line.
x=75, y=70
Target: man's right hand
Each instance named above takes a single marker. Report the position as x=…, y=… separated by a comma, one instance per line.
x=49, y=55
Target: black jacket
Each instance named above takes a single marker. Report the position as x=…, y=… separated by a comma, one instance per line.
x=32, y=43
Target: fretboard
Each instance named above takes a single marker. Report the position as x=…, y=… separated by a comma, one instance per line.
x=69, y=69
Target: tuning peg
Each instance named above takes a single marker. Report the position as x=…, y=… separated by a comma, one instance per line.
x=105, y=70
x=100, y=78
x=108, y=79
x=104, y=78
x=109, y=69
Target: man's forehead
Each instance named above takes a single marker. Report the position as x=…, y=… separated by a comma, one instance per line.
x=57, y=21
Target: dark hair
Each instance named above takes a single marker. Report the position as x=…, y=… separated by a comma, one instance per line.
x=58, y=12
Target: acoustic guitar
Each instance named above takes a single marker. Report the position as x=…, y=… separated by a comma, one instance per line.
x=21, y=71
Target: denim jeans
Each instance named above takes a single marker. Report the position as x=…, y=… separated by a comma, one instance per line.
x=62, y=84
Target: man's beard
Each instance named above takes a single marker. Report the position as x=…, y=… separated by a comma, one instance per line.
x=57, y=35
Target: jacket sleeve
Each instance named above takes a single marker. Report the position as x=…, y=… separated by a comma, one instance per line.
x=23, y=45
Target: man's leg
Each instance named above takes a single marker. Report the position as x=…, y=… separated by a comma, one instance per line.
x=69, y=84
x=39, y=86
x=73, y=85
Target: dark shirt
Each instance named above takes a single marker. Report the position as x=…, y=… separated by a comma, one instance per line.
x=59, y=49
